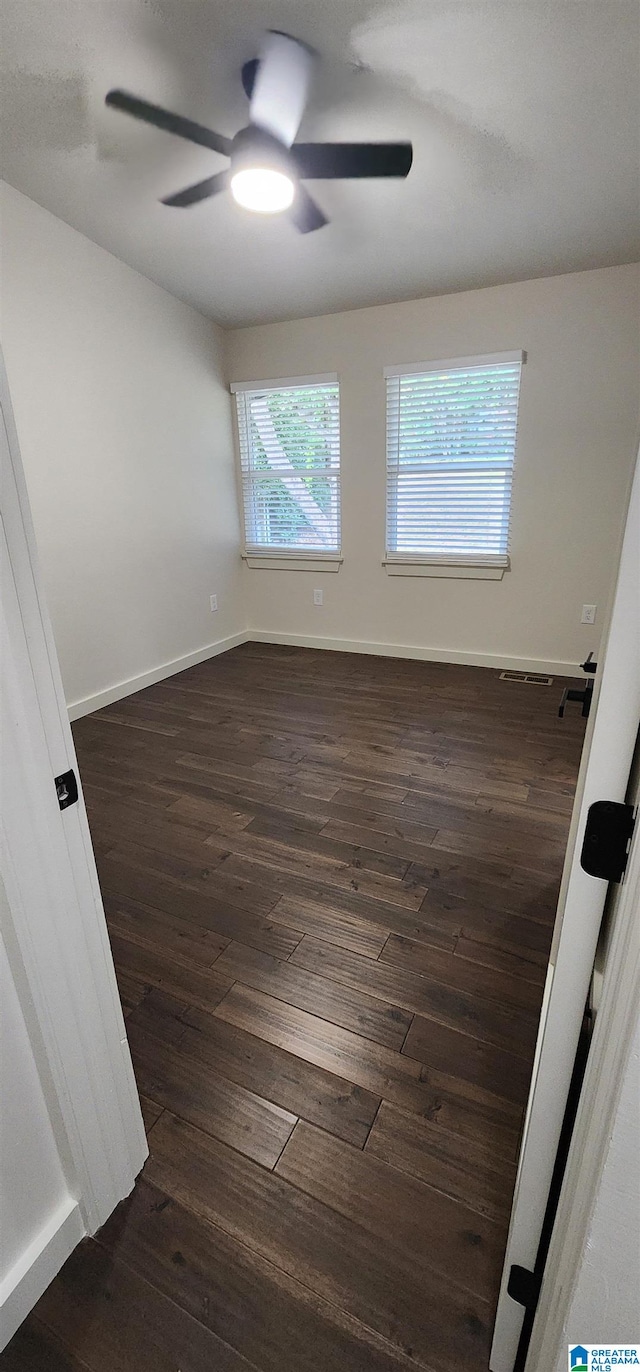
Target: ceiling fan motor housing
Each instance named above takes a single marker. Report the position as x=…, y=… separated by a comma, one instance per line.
x=254, y=147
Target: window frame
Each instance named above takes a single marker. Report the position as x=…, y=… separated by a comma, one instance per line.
x=273, y=558
x=475, y=566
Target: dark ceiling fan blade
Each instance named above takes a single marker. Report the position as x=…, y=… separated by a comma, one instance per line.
x=171, y=123
x=200, y=191
x=304, y=212
x=329, y=161
x=248, y=76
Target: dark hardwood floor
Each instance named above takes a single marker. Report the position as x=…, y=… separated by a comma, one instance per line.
x=330, y=884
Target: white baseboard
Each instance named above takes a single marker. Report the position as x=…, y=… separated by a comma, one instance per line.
x=497, y=661
x=41, y=1261
x=137, y=683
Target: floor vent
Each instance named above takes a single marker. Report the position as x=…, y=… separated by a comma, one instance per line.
x=533, y=678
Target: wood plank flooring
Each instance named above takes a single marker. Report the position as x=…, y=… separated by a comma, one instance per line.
x=330, y=883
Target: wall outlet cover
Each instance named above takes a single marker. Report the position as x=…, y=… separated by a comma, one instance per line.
x=317, y=597
x=213, y=603
x=588, y=614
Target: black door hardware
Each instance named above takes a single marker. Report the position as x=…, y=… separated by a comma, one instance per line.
x=585, y=694
x=66, y=789
x=524, y=1286
x=606, y=839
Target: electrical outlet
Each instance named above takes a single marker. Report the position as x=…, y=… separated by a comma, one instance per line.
x=317, y=597
x=588, y=614
x=213, y=603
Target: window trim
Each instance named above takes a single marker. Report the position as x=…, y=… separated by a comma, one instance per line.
x=487, y=568
x=455, y=363
x=293, y=562
x=281, y=559
x=284, y=383
x=460, y=571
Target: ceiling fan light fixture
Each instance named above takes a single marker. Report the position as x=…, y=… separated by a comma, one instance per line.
x=265, y=190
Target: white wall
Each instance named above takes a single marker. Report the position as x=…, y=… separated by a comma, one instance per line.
x=576, y=445
x=124, y=421
x=124, y=425
x=604, y=1305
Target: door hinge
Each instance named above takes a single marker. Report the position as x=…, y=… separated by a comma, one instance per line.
x=66, y=789
x=524, y=1286
x=606, y=839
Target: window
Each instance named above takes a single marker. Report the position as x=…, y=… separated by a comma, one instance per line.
x=289, y=434
x=451, y=438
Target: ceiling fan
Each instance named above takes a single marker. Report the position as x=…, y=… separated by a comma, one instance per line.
x=267, y=168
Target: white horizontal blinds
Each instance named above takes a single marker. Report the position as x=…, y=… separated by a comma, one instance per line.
x=290, y=461
x=451, y=437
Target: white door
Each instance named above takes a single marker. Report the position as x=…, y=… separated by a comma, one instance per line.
x=73, y=1136
x=604, y=775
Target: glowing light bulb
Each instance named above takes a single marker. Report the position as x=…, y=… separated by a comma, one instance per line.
x=262, y=189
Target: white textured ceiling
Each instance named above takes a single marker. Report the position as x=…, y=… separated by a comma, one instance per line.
x=524, y=115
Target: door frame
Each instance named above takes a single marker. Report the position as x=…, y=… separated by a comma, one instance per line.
x=54, y=926
x=615, y=1026
x=604, y=772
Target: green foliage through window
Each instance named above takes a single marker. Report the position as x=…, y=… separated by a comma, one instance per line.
x=290, y=451
x=451, y=437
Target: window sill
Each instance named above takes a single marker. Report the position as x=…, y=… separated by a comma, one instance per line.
x=299, y=562
x=466, y=571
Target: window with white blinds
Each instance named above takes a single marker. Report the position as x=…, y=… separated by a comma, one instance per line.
x=451, y=440
x=289, y=436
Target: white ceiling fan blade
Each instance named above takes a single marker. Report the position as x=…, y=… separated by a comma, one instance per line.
x=280, y=90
